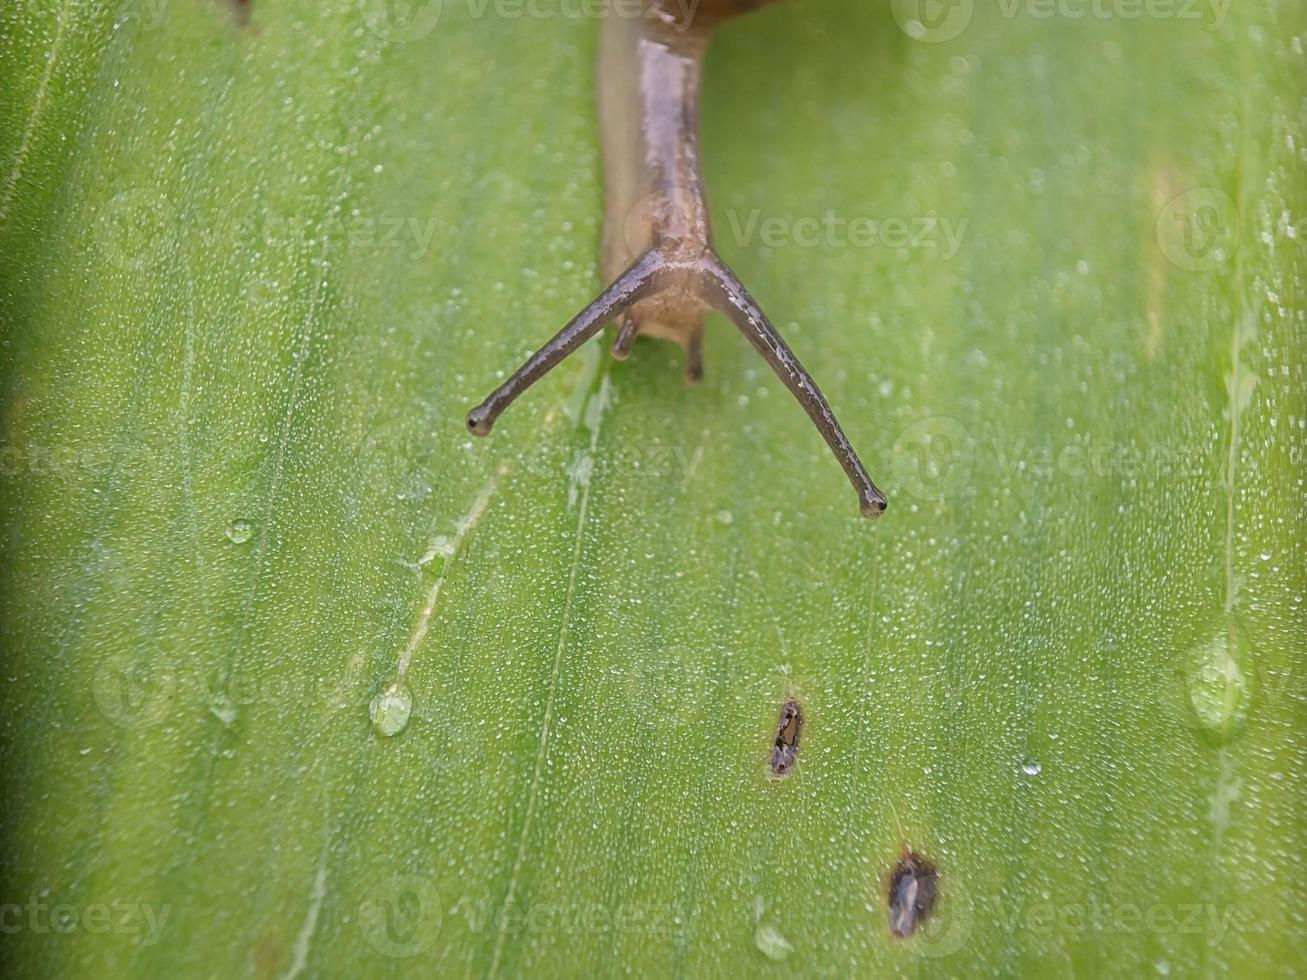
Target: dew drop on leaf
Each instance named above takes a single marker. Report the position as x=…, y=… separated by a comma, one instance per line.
x=1218, y=685
x=771, y=943
x=390, y=709
x=240, y=530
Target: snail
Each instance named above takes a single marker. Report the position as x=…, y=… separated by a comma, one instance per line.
x=663, y=272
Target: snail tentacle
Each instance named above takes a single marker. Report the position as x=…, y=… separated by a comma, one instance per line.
x=628, y=288
x=727, y=294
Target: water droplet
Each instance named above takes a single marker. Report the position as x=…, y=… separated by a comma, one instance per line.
x=390, y=709
x=224, y=710
x=771, y=943
x=725, y=517
x=1219, y=685
x=240, y=530
x=1031, y=766
x=439, y=551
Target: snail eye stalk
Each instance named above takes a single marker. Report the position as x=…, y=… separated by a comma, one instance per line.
x=712, y=284
x=628, y=288
x=729, y=296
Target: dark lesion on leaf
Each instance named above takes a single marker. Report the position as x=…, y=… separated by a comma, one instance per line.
x=785, y=750
x=913, y=888
x=240, y=11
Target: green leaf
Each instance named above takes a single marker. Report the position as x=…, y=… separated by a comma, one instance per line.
x=302, y=680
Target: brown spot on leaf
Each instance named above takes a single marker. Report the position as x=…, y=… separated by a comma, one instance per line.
x=785, y=750
x=912, y=889
x=269, y=952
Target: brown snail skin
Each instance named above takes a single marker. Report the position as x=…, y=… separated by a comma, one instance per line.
x=664, y=274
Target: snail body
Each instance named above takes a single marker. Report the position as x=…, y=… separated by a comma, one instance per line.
x=663, y=272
